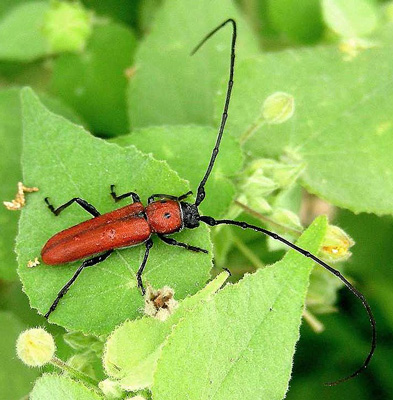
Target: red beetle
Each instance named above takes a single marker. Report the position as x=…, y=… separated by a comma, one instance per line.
x=134, y=224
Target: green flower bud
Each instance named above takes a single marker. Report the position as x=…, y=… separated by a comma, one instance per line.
x=278, y=108
x=83, y=362
x=67, y=26
x=282, y=173
x=287, y=219
x=336, y=245
x=322, y=292
x=290, y=224
x=259, y=204
x=35, y=347
x=111, y=389
x=257, y=185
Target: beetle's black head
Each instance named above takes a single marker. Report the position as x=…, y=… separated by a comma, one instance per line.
x=190, y=215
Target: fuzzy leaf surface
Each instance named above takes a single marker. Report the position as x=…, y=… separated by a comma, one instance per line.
x=132, y=350
x=56, y=387
x=187, y=150
x=11, y=171
x=10, y=174
x=240, y=345
x=342, y=127
x=64, y=161
x=169, y=86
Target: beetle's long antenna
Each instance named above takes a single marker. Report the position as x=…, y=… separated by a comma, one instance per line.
x=212, y=222
x=201, y=188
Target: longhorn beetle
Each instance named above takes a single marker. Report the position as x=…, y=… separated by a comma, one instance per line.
x=165, y=214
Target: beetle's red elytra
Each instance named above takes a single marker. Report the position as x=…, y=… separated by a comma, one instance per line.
x=125, y=227
x=134, y=224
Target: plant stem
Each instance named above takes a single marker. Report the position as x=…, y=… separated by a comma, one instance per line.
x=259, y=122
x=74, y=372
x=316, y=325
x=248, y=253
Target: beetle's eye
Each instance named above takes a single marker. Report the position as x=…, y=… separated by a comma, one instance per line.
x=167, y=215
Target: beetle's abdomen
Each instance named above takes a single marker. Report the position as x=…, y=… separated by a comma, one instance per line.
x=123, y=227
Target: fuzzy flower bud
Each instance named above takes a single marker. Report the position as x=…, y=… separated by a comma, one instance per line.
x=278, y=108
x=336, y=245
x=35, y=347
x=67, y=26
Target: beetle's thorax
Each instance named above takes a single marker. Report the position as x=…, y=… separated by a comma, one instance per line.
x=164, y=216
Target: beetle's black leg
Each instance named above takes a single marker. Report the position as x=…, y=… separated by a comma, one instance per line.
x=134, y=196
x=83, y=203
x=87, y=263
x=149, y=245
x=186, y=246
x=168, y=196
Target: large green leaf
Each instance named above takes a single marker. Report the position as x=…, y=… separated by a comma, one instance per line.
x=94, y=82
x=241, y=344
x=64, y=161
x=171, y=87
x=55, y=387
x=10, y=138
x=15, y=377
x=342, y=127
x=21, y=37
x=10, y=170
x=132, y=350
x=187, y=149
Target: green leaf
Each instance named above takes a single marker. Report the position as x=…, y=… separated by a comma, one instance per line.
x=132, y=351
x=94, y=82
x=10, y=174
x=187, y=149
x=21, y=38
x=169, y=86
x=342, y=125
x=10, y=171
x=64, y=161
x=55, y=387
x=350, y=18
x=15, y=377
x=241, y=344
x=299, y=20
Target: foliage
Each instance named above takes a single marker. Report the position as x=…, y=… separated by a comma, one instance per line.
x=310, y=114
